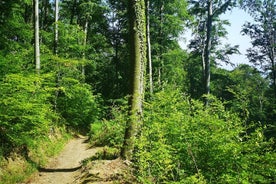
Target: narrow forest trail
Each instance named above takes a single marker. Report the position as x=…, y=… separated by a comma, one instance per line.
x=65, y=168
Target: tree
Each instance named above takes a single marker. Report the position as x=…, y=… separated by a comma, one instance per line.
x=244, y=89
x=105, y=53
x=263, y=35
x=209, y=28
x=88, y=8
x=249, y=93
x=46, y=17
x=16, y=22
x=207, y=48
x=167, y=21
x=137, y=31
x=56, y=27
x=149, y=47
x=36, y=31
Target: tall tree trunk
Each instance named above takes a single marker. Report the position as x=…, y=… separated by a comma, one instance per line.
x=272, y=58
x=56, y=53
x=160, y=40
x=274, y=75
x=271, y=33
x=56, y=27
x=203, y=43
x=36, y=34
x=136, y=13
x=207, y=49
x=149, y=47
x=84, y=44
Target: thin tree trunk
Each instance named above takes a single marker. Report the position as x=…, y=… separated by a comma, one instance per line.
x=207, y=49
x=160, y=37
x=203, y=64
x=272, y=45
x=203, y=43
x=274, y=76
x=149, y=47
x=56, y=53
x=136, y=13
x=273, y=67
x=159, y=74
x=36, y=32
x=84, y=44
x=56, y=27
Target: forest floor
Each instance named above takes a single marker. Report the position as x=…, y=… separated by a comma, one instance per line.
x=67, y=167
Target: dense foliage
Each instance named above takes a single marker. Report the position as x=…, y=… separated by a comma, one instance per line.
x=182, y=142
x=84, y=85
x=34, y=106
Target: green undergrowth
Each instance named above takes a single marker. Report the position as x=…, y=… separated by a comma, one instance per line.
x=110, y=132
x=106, y=165
x=183, y=142
x=17, y=168
x=48, y=147
x=106, y=133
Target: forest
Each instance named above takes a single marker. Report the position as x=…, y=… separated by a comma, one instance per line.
x=113, y=70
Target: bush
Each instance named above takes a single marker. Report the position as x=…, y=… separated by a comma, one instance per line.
x=182, y=141
x=77, y=105
x=16, y=169
x=25, y=112
x=109, y=132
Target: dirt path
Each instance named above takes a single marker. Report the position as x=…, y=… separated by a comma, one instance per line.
x=66, y=167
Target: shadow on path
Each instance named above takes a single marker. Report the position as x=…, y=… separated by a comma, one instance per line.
x=40, y=169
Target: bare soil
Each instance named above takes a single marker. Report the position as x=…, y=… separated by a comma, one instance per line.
x=66, y=166
x=106, y=172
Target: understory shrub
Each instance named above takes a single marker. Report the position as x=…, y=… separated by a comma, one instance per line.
x=16, y=169
x=25, y=111
x=110, y=132
x=182, y=141
x=77, y=104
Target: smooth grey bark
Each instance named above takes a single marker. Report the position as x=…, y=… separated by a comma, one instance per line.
x=84, y=44
x=207, y=13
x=56, y=26
x=202, y=54
x=207, y=49
x=160, y=33
x=36, y=34
x=272, y=57
x=149, y=47
x=56, y=52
